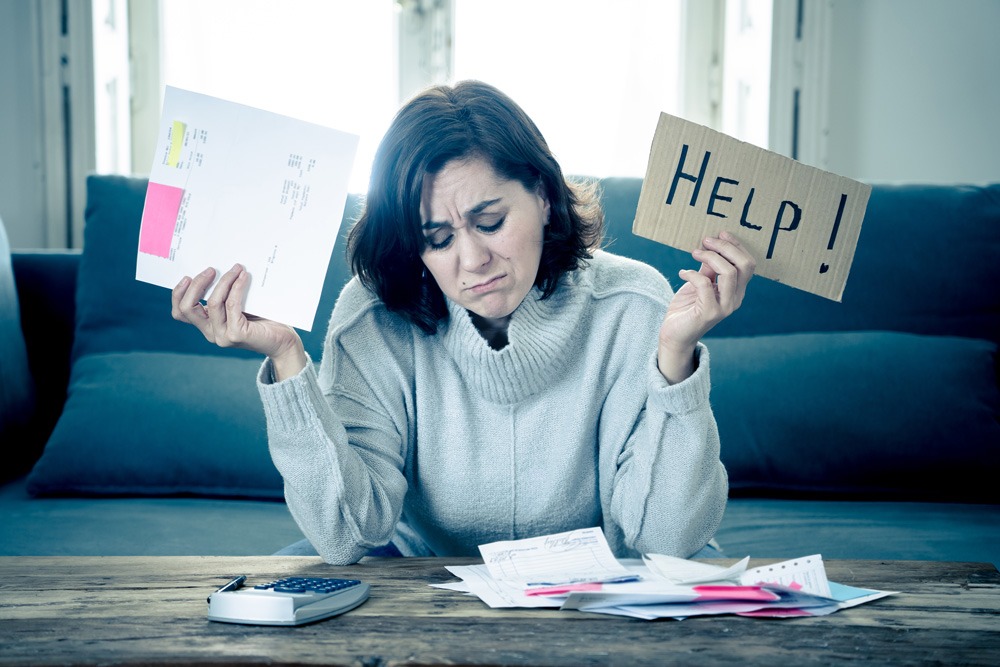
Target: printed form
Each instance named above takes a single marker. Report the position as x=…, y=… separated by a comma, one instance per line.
x=235, y=184
x=576, y=555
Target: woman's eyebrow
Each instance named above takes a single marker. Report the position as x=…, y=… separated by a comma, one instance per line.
x=482, y=206
x=471, y=213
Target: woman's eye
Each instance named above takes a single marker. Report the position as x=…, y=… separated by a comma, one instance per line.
x=490, y=229
x=438, y=242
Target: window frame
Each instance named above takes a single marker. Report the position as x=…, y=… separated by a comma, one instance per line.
x=424, y=36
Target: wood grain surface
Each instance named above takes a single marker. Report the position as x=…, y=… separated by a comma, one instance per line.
x=152, y=611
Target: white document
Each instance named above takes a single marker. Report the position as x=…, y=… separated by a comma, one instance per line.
x=690, y=572
x=562, y=558
x=806, y=574
x=235, y=184
x=497, y=593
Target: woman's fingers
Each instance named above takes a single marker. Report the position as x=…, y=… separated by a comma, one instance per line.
x=241, y=329
x=222, y=321
x=237, y=296
x=216, y=303
x=706, y=289
x=219, y=317
x=186, y=300
x=189, y=292
x=739, y=256
x=708, y=296
x=224, y=308
x=732, y=267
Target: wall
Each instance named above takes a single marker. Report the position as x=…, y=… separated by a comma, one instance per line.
x=914, y=94
x=22, y=193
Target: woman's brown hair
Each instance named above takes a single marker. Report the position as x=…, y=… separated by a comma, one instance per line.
x=443, y=123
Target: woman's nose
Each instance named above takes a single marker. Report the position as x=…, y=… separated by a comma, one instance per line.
x=473, y=252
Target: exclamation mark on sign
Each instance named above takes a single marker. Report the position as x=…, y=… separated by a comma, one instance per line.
x=823, y=268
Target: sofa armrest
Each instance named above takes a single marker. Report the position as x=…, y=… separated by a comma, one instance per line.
x=46, y=290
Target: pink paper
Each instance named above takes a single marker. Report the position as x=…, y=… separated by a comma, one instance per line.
x=755, y=593
x=565, y=589
x=159, y=218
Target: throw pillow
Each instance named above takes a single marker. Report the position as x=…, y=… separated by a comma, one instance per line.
x=159, y=423
x=152, y=408
x=873, y=414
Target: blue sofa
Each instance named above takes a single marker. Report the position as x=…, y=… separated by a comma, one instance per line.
x=868, y=428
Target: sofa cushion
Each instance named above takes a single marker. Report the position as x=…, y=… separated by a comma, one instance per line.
x=876, y=414
x=16, y=386
x=866, y=529
x=920, y=266
x=152, y=408
x=159, y=423
x=114, y=311
x=175, y=526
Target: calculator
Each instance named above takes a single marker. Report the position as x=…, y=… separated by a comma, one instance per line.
x=287, y=601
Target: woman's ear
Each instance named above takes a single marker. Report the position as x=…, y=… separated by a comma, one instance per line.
x=546, y=207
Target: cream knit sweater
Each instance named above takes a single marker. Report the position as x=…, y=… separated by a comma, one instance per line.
x=440, y=443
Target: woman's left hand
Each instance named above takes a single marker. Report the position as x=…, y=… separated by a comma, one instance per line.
x=707, y=297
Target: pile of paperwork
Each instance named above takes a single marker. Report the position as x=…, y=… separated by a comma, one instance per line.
x=576, y=570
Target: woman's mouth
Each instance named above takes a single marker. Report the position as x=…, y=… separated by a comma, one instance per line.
x=487, y=286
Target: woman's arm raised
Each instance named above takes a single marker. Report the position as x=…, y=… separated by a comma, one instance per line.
x=707, y=297
x=222, y=321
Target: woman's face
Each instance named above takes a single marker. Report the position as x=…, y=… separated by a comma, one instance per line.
x=484, y=237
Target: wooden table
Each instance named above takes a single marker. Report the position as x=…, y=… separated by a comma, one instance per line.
x=152, y=610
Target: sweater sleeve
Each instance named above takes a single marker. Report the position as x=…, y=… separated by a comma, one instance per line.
x=337, y=437
x=670, y=487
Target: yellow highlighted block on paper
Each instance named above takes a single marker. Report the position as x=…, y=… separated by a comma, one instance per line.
x=176, y=143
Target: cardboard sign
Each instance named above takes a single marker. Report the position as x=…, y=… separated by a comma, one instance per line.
x=801, y=224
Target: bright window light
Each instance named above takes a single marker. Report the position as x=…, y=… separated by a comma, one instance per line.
x=331, y=63
x=594, y=75
x=746, y=83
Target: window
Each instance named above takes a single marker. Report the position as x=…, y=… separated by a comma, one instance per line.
x=593, y=75
x=746, y=78
x=112, y=139
x=330, y=63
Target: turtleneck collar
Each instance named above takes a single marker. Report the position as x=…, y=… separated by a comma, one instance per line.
x=539, y=343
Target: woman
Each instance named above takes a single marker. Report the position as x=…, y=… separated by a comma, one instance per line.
x=490, y=373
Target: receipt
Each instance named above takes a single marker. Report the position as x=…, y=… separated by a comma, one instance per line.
x=806, y=574
x=573, y=556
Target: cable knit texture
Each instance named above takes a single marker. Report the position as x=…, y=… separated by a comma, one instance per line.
x=441, y=443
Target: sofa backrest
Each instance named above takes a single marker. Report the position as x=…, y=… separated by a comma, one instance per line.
x=927, y=262
x=883, y=411
x=17, y=398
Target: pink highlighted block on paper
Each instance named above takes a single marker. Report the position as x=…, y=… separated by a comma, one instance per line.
x=159, y=218
x=745, y=593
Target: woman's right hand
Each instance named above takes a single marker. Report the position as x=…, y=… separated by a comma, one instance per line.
x=222, y=321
